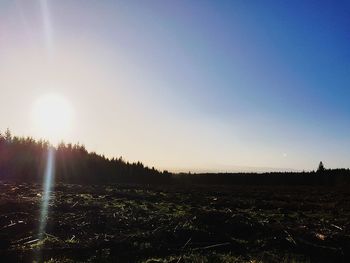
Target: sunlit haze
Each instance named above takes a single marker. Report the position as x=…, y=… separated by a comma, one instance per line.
x=182, y=85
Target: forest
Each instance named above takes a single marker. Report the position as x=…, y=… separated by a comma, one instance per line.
x=23, y=159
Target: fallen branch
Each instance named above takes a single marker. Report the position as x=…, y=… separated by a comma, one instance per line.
x=52, y=236
x=183, y=247
x=31, y=241
x=212, y=246
x=337, y=227
x=22, y=240
x=289, y=237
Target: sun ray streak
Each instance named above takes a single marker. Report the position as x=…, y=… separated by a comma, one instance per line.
x=47, y=25
x=48, y=181
x=26, y=26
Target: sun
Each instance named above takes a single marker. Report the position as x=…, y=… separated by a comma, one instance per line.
x=52, y=116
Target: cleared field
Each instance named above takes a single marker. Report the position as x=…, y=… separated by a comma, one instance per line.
x=131, y=223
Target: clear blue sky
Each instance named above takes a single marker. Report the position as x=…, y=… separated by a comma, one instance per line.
x=186, y=85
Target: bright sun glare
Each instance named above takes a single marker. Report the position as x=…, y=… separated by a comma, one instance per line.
x=52, y=116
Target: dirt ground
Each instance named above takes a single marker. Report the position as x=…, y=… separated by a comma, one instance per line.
x=130, y=223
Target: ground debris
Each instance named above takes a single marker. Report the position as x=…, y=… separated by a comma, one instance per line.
x=133, y=223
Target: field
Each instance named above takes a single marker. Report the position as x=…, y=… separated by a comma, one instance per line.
x=131, y=223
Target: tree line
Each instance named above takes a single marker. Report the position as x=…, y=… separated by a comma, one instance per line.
x=322, y=177
x=24, y=159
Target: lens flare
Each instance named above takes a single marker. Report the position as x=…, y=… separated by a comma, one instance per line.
x=48, y=181
x=47, y=25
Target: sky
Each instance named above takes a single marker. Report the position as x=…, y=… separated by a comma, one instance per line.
x=184, y=85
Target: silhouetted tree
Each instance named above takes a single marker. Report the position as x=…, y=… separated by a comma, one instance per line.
x=8, y=135
x=321, y=168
